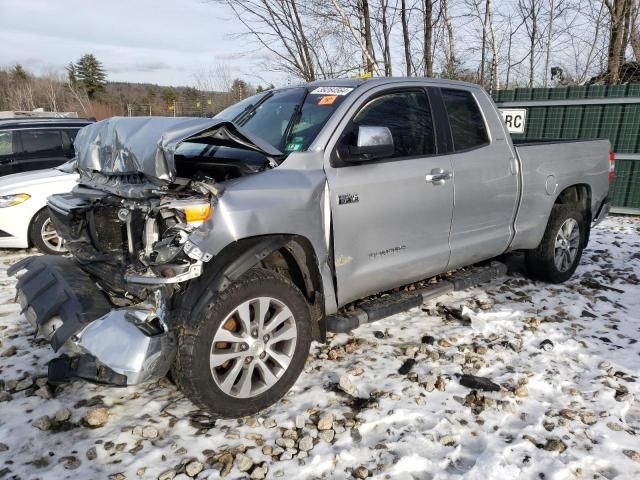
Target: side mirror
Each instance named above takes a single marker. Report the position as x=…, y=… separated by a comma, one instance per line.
x=372, y=143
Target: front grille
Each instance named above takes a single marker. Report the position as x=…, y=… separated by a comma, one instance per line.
x=4, y=234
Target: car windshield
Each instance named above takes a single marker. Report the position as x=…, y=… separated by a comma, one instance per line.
x=289, y=119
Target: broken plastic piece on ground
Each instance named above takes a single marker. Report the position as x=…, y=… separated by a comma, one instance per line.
x=479, y=383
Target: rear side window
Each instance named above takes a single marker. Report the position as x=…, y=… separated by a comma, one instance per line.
x=8, y=144
x=467, y=125
x=408, y=116
x=38, y=141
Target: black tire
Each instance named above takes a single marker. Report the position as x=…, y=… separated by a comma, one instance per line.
x=541, y=262
x=191, y=370
x=35, y=233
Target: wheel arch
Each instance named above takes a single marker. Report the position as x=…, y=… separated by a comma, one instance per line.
x=31, y=223
x=578, y=194
x=288, y=254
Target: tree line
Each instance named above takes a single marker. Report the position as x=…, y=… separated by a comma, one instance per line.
x=497, y=44
x=83, y=88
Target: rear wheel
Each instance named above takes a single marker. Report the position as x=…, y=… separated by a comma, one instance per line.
x=247, y=348
x=43, y=234
x=558, y=255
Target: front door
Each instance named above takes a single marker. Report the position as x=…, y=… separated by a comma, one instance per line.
x=390, y=221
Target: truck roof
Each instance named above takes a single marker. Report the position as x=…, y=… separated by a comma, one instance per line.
x=357, y=82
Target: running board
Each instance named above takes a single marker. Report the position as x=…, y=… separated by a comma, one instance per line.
x=379, y=308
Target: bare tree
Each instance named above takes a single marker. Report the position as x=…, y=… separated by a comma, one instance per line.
x=52, y=86
x=513, y=28
x=361, y=36
x=277, y=25
x=619, y=13
x=80, y=96
x=405, y=36
x=578, y=28
x=529, y=11
x=495, y=80
x=370, y=58
x=451, y=50
x=483, y=54
x=427, y=52
x=547, y=60
x=386, y=24
x=634, y=34
x=20, y=94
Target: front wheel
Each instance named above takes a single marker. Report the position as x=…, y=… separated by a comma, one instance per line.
x=558, y=255
x=247, y=348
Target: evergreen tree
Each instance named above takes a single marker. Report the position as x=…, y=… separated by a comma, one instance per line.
x=19, y=73
x=190, y=95
x=239, y=89
x=169, y=95
x=90, y=74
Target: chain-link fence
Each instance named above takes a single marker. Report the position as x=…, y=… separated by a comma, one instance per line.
x=173, y=109
x=594, y=111
x=205, y=106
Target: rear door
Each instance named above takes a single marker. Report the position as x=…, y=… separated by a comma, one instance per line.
x=8, y=147
x=390, y=226
x=485, y=178
x=44, y=148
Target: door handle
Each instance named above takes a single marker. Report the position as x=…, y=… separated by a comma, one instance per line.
x=438, y=176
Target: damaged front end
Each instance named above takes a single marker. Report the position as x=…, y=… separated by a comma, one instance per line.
x=127, y=226
x=68, y=307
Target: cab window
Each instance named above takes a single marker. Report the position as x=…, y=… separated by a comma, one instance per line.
x=407, y=115
x=465, y=119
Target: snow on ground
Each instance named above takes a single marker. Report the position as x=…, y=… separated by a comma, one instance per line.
x=568, y=412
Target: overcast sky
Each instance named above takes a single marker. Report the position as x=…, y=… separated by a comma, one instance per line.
x=158, y=41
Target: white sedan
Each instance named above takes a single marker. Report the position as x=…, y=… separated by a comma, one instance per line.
x=24, y=217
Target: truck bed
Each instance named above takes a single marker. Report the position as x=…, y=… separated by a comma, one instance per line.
x=547, y=167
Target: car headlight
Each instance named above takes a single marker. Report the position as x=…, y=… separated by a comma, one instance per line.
x=15, y=199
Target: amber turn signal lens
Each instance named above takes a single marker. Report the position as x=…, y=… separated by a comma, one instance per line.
x=197, y=213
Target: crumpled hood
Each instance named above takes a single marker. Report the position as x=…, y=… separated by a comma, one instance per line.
x=146, y=145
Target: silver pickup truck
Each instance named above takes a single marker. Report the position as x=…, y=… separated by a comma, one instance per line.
x=220, y=248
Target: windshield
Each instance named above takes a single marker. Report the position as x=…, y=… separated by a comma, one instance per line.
x=230, y=113
x=288, y=119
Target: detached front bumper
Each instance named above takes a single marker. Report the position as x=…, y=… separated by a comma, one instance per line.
x=123, y=346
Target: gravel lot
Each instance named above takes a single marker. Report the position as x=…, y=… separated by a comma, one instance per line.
x=385, y=402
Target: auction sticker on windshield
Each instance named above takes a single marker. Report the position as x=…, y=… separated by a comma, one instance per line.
x=327, y=100
x=331, y=91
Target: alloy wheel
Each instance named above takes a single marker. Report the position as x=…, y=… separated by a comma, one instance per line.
x=50, y=237
x=566, y=244
x=253, y=347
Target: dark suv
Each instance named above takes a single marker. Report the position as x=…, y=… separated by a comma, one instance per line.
x=35, y=143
